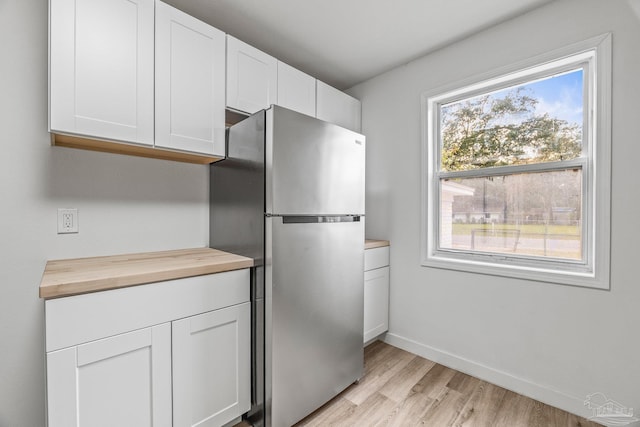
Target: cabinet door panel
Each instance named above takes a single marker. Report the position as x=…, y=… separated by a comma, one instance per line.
x=190, y=83
x=376, y=302
x=252, y=77
x=296, y=90
x=211, y=367
x=123, y=380
x=337, y=107
x=62, y=408
x=101, y=68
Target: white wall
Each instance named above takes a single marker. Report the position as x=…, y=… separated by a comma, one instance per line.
x=125, y=204
x=555, y=343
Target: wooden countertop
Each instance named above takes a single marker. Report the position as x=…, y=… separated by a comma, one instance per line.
x=82, y=275
x=371, y=244
x=67, y=277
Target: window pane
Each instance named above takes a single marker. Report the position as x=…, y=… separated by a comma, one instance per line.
x=531, y=214
x=535, y=122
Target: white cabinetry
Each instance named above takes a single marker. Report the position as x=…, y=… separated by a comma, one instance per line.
x=140, y=77
x=376, y=292
x=110, y=58
x=337, y=107
x=189, y=82
x=124, y=380
x=256, y=80
x=252, y=77
x=101, y=68
x=296, y=90
x=211, y=367
x=174, y=353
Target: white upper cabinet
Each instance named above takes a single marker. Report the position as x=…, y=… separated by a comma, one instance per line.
x=252, y=77
x=337, y=107
x=101, y=68
x=296, y=90
x=140, y=77
x=190, y=83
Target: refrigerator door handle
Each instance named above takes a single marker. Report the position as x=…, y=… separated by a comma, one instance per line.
x=308, y=219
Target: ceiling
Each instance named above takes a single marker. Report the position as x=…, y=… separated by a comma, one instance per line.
x=345, y=42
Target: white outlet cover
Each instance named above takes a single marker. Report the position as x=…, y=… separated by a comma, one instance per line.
x=67, y=220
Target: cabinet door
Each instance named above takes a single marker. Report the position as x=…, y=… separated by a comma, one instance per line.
x=190, y=83
x=376, y=302
x=124, y=380
x=337, y=107
x=252, y=77
x=101, y=68
x=296, y=90
x=211, y=367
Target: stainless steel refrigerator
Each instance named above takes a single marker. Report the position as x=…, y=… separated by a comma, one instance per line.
x=290, y=194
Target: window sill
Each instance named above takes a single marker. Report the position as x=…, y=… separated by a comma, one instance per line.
x=515, y=271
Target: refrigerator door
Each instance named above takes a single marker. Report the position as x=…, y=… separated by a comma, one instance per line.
x=314, y=313
x=312, y=167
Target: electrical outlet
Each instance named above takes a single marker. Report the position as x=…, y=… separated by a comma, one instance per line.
x=67, y=221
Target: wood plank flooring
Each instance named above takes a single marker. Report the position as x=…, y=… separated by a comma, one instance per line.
x=402, y=389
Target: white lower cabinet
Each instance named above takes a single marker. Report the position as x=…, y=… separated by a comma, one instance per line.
x=190, y=366
x=376, y=292
x=211, y=367
x=376, y=302
x=123, y=380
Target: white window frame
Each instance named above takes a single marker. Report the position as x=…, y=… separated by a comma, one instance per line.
x=595, y=56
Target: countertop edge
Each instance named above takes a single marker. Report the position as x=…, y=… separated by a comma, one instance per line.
x=372, y=244
x=59, y=288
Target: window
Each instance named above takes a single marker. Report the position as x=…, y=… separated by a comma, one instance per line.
x=517, y=167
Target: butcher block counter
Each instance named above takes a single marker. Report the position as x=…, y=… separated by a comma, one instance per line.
x=67, y=277
x=372, y=244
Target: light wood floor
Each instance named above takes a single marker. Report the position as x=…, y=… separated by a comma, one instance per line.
x=402, y=389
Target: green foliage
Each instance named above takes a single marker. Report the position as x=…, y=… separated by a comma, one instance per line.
x=488, y=131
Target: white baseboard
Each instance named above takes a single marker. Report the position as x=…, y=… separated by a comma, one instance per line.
x=572, y=404
x=376, y=338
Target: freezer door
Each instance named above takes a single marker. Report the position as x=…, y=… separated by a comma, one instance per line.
x=314, y=313
x=312, y=167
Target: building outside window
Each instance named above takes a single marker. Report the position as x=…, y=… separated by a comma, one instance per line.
x=516, y=170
